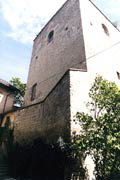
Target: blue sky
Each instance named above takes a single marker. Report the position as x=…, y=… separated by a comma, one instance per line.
x=21, y=21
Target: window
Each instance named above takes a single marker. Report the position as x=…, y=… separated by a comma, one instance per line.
x=7, y=123
x=33, y=92
x=118, y=75
x=105, y=30
x=91, y=23
x=66, y=28
x=50, y=36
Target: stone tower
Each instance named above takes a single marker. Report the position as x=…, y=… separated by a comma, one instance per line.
x=58, y=47
x=75, y=45
x=74, y=36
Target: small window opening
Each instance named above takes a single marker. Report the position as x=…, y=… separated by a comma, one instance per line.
x=7, y=123
x=66, y=28
x=33, y=92
x=105, y=30
x=36, y=57
x=50, y=36
x=118, y=75
x=91, y=23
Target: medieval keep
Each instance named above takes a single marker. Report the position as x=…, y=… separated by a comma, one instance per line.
x=68, y=53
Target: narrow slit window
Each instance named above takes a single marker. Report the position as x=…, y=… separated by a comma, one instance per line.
x=118, y=75
x=50, y=36
x=33, y=92
x=105, y=29
x=7, y=123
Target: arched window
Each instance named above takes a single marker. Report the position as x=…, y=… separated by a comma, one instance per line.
x=50, y=36
x=105, y=29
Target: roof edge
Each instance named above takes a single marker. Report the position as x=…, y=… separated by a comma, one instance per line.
x=60, y=10
x=42, y=101
x=64, y=4
x=7, y=85
x=104, y=15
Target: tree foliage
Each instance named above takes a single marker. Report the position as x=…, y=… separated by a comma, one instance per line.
x=19, y=96
x=100, y=135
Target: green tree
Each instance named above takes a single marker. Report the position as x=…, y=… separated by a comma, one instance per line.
x=19, y=96
x=100, y=135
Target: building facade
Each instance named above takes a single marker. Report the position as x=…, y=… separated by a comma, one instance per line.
x=7, y=93
x=77, y=44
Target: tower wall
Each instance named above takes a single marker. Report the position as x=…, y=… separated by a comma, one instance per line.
x=51, y=58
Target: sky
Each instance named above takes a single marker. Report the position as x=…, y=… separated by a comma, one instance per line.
x=22, y=20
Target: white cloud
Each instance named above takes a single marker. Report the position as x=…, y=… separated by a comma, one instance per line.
x=27, y=17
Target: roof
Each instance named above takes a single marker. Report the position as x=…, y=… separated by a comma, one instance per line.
x=7, y=85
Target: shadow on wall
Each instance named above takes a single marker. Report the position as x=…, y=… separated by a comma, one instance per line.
x=40, y=161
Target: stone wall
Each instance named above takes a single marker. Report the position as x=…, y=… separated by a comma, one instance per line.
x=49, y=120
